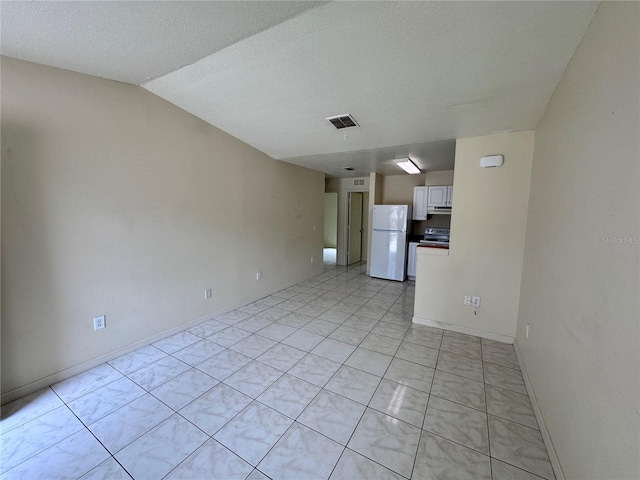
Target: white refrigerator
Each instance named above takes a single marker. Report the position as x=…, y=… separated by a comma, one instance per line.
x=390, y=225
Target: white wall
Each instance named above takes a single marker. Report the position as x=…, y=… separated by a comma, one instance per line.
x=487, y=239
x=116, y=202
x=580, y=293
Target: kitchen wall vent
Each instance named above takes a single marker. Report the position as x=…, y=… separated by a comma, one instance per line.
x=343, y=121
x=358, y=182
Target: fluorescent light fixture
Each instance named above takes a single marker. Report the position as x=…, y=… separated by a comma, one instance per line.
x=408, y=166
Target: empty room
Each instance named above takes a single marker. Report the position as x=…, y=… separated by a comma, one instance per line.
x=320, y=240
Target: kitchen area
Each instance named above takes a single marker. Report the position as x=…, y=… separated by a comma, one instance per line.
x=423, y=203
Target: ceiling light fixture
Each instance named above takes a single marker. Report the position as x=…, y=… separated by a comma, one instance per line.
x=408, y=166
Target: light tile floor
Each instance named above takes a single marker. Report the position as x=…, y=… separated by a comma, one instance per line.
x=325, y=379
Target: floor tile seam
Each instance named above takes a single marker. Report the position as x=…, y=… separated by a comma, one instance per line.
x=484, y=384
x=486, y=403
x=426, y=410
x=505, y=388
x=4, y=432
x=508, y=390
x=288, y=416
x=93, y=389
x=196, y=449
x=168, y=380
x=393, y=416
x=459, y=354
x=87, y=425
x=517, y=423
x=38, y=452
x=416, y=363
x=145, y=365
x=294, y=422
x=381, y=353
x=461, y=444
x=224, y=425
x=520, y=468
x=458, y=403
x=415, y=454
x=500, y=365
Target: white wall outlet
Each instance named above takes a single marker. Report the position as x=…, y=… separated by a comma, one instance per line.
x=99, y=322
x=467, y=299
x=311, y=259
x=207, y=294
x=258, y=275
x=314, y=228
x=475, y=301
x=526, y=332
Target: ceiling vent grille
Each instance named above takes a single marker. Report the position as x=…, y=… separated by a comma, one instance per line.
x=358, y=182
x=343, y=121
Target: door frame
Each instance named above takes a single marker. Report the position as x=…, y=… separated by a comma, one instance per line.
x=349, y=197
x=344, y=224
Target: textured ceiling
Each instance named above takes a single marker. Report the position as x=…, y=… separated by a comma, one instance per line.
x=132, y=41
x=411, y=73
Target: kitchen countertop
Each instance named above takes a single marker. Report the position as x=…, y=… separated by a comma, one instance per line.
x=432, y=250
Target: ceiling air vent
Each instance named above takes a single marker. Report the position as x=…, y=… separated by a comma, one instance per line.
x=343, y=121
x=359, y=182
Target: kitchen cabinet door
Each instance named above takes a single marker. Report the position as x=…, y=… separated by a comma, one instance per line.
x=438, y=196
x=420, y=199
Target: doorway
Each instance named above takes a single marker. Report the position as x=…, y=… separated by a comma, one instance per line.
x=357, y=226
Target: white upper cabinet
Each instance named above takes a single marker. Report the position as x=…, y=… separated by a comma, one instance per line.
x=440, y=196
x=420, y=200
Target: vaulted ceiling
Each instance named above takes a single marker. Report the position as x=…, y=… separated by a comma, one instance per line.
x=414, y=75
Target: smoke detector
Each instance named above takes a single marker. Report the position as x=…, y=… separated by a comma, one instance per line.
x=343, y=121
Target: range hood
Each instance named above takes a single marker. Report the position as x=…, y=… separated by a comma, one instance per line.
x=439, y=211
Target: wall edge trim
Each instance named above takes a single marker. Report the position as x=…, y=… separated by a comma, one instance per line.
x=546, y=437
x=468, y=331
x=49, y=380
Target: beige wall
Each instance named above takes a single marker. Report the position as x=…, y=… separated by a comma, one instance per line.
x=580, y=294
x=330, y=220
x=487, y=239
x=398, y=189
x=440, y=177
x=116, y=202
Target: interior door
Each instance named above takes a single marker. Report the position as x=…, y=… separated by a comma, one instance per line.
x=355, y=228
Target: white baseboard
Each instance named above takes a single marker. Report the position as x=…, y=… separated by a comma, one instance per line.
x=468, y=331
x=29, y=388
x=548, y=443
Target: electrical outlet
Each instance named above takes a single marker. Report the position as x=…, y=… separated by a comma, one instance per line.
x=99, y=322
x=475, y=301
x=314, y=228
x=467, y=299
x=526, y=332
x=311, y=259
x=258, y=275
x=207, y=294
